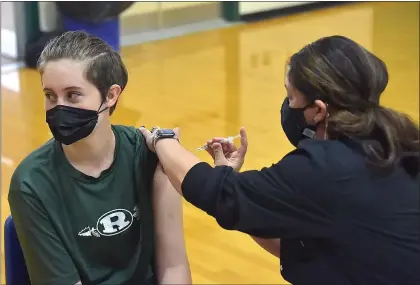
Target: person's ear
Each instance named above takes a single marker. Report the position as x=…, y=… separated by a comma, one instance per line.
x=113, y=95
x=321, y=111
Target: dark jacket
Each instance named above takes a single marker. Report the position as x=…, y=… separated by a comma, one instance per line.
x=340, y=220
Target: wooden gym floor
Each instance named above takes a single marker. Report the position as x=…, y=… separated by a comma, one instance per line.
x=210, y=84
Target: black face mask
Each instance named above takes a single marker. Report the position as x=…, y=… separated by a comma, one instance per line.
x=294, y=123
x=69, y=125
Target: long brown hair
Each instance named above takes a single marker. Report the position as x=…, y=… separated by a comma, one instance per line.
x=350, y=79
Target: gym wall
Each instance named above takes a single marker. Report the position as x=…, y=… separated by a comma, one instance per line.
x=152, y=16
x=256, y=7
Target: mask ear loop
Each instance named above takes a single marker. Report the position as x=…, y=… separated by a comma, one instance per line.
x=307, y=132
x=101, y=106
x=310, y=133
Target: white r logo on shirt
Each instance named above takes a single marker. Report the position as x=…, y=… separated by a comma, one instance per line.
x=112, y=223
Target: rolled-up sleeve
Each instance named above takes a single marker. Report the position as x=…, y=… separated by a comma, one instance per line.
x=269, y=203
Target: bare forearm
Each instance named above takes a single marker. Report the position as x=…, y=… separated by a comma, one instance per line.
x=270, y=245
x=176, y=161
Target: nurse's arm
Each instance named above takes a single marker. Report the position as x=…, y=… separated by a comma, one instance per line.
x=274, y=202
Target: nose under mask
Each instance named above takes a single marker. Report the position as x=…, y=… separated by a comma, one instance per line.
x=294, y=124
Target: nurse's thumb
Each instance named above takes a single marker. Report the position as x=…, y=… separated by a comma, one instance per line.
x=218, y=153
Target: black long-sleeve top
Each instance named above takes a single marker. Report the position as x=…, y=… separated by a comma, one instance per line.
x=340, y=222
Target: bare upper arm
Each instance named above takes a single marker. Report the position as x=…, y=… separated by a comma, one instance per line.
x=171, y=257
x=167, y=207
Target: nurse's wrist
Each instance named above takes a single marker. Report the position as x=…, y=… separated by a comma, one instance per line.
x=164, y=143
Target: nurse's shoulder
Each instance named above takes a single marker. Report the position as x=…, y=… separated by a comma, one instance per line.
x=318, y=168
x=332, y=156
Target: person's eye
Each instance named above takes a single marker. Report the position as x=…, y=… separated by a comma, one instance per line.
x=50, y=96
x=72, y=96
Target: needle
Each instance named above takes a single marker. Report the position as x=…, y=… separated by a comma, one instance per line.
x=225, y=140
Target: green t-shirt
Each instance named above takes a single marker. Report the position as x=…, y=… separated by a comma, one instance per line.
x=75, y=227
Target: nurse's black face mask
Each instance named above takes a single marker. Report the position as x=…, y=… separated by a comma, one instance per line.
x=294, y=124
x=69, y=124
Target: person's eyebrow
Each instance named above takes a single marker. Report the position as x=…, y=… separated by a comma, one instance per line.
x=67, y=88
x=72, y=88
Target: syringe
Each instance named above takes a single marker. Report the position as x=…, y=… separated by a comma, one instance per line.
x=225, y=140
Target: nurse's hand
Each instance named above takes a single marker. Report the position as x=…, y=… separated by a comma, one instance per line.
x=227, y=153
x=148, y=135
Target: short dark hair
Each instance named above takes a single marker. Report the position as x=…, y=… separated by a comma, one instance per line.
x=350, y=79
x=104, y=65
